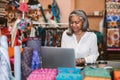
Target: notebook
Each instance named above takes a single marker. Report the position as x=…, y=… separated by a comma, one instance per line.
x=54, y=57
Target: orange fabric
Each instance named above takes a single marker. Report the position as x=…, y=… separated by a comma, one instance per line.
x=117, y=75
x=11, y=51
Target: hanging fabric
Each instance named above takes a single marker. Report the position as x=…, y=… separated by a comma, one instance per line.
x=5, y=68
x=43, y=14
x=13, y=3
x=33, y=2
x=56, y=11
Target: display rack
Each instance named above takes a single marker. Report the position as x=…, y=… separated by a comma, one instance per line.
x=112, y=29
x=112, y=25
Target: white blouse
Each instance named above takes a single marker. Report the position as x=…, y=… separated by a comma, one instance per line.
x=86, y=48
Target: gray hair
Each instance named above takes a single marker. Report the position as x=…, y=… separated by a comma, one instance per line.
x=83, y=17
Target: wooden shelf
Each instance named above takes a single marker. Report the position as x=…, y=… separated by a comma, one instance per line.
x=94, y=15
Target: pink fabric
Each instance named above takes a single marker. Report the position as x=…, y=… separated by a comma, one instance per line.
x=23, y=7
x=43, y=74
x=12, y=60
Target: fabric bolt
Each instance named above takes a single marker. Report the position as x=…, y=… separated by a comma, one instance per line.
x=25, y=62
x=112, y=18
x=17, y=63
x=5, y=69
x=43, y=74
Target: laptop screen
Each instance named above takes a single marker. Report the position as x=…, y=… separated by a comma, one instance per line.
x=54, y=57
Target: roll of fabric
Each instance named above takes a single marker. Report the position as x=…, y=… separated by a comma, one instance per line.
x=5, y=69
x=17, y=63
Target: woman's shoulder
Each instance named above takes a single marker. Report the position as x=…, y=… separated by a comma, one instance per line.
x=65, y=32
x=91, y=34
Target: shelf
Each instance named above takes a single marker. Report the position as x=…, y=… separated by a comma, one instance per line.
x=113, y=49
x=95, y=15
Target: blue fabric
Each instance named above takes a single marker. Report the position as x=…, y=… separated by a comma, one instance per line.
x=115, y=18
x=55, y=11
x=5, y=71
x=14, y=3
x=35, y=60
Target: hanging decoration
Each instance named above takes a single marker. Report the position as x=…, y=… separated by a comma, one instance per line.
x=2, y=8
x=56, y=11
x=14, y=3
x=11, y=10
x=23, y=7
x=34, y=4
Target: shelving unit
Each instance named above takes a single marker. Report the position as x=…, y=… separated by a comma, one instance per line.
x=112, y=30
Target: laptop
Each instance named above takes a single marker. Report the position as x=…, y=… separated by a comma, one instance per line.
x=54, y=57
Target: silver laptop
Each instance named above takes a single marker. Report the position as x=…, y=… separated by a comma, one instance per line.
x=54, y=57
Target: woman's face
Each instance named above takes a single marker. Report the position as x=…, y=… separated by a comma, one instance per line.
x=76, y=23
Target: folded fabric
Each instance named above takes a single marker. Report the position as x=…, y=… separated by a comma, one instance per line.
x=68, y=76
x=113, y=18
x=96, y=72
x=68, y=70
x=43, y=74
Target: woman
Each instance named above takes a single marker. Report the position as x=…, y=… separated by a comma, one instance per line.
x=79, y=37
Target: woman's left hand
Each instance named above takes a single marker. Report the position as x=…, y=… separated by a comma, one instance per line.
x=80, y=62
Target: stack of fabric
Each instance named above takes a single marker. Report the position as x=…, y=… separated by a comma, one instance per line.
x=117, y=74
x=43, y=74
x=96, y=74
x=68, y=74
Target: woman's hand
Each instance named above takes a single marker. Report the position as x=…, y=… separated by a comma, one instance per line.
x=80, y=62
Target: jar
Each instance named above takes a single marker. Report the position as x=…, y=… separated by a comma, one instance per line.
x=101, y=64
x=92, y=65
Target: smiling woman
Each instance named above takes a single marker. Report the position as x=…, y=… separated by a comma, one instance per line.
x=80, y=38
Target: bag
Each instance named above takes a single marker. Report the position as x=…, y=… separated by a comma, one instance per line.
x=33, y=43
x=25, y=62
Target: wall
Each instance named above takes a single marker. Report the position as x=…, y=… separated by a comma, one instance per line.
x=89, y=6
x=66, y=6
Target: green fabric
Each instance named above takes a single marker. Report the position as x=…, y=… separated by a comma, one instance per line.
x=99, y=36
x=96, y=72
